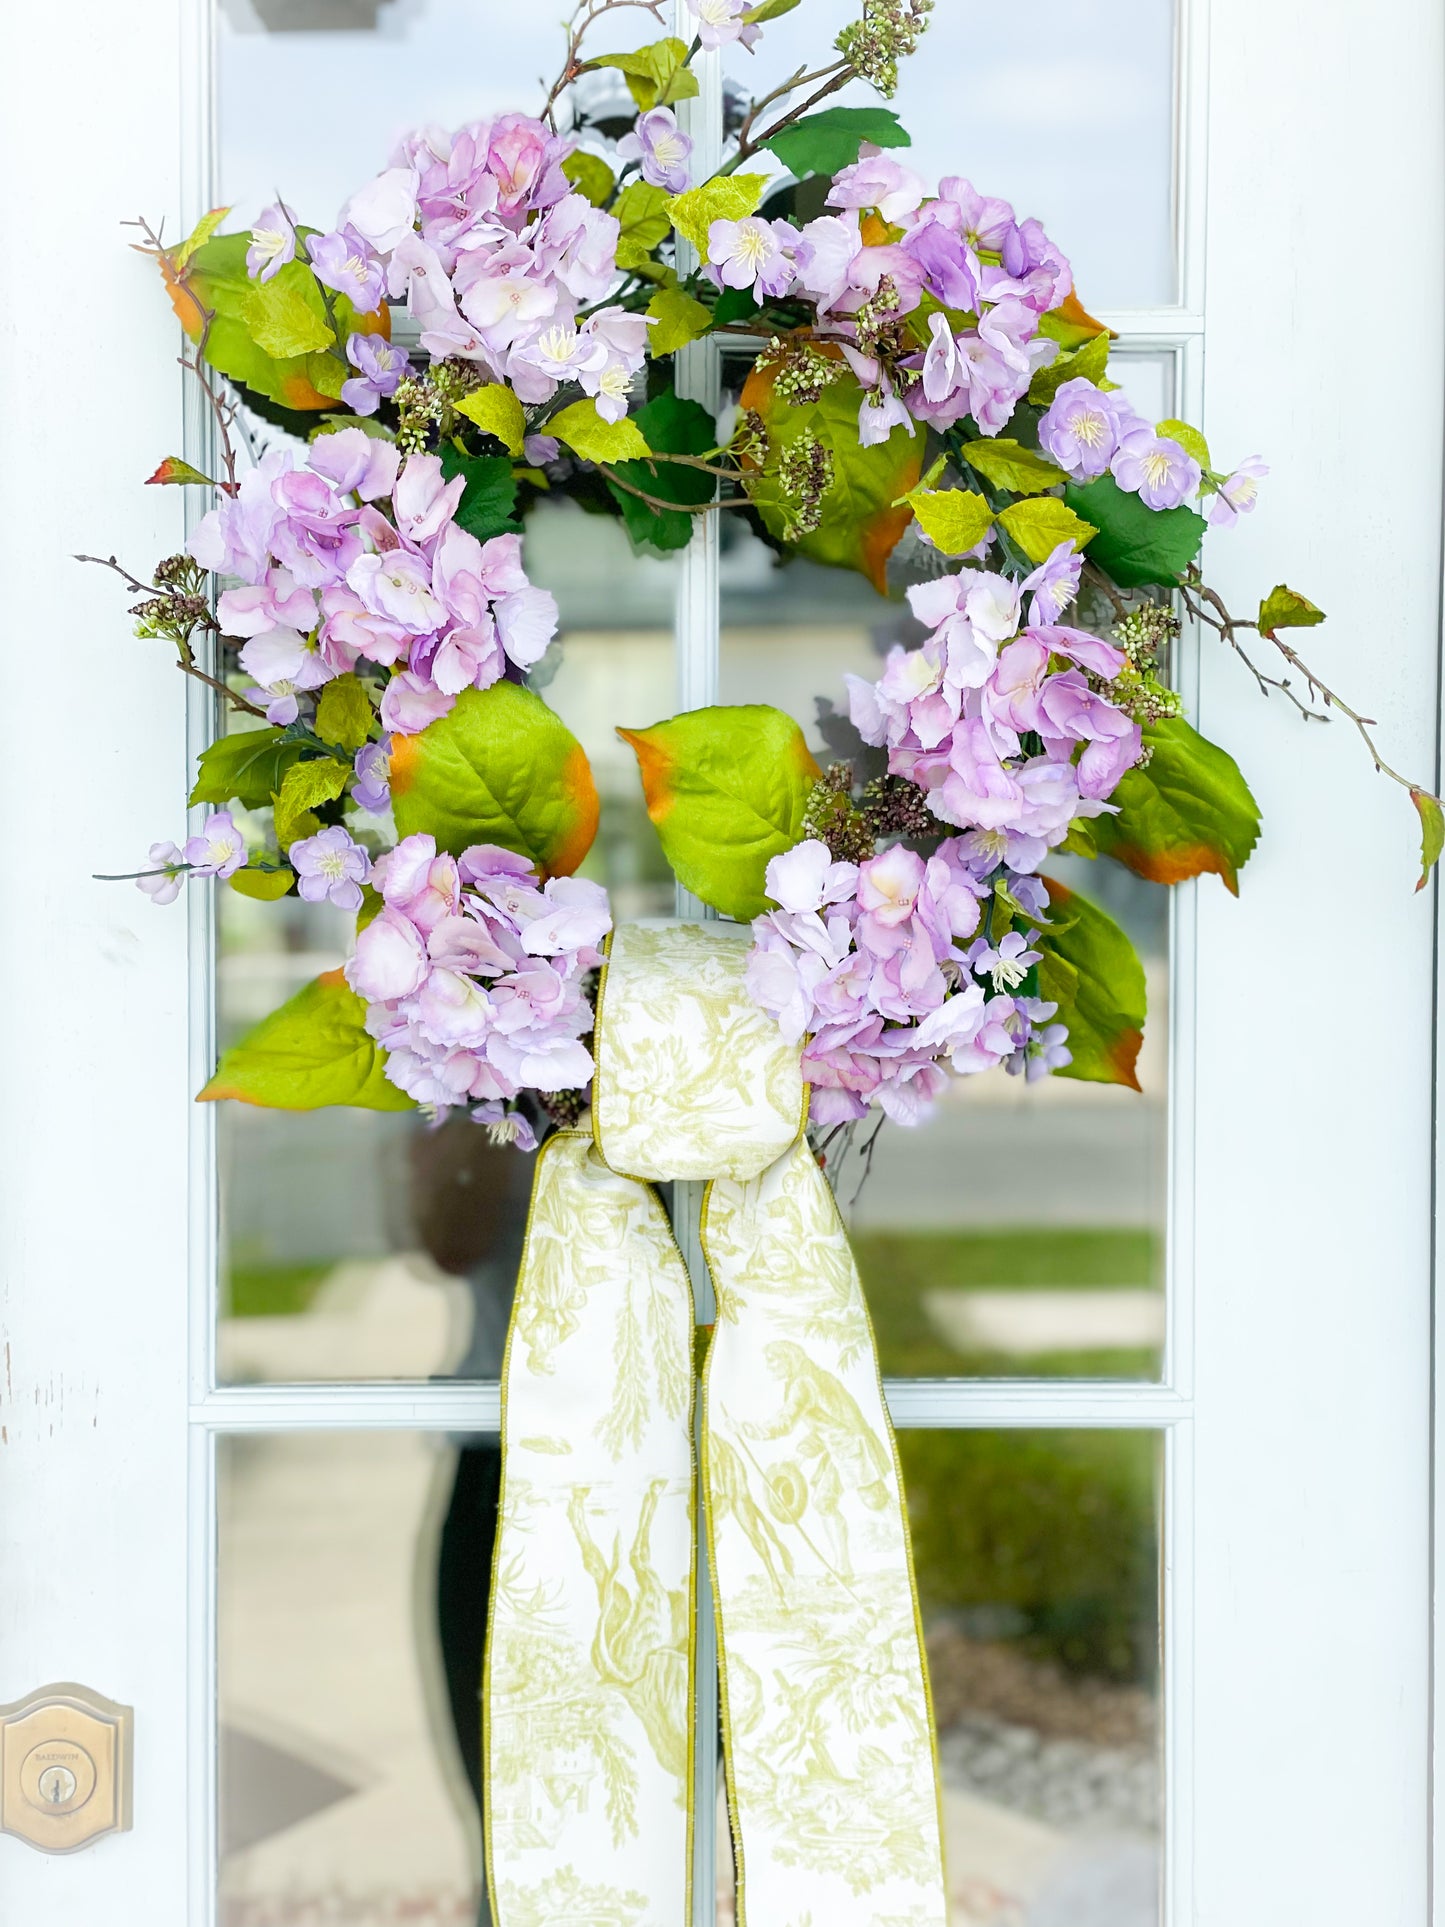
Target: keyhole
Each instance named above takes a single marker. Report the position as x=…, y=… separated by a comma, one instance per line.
x=57, y=1784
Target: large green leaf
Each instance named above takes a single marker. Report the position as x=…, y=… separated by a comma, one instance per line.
x=501, y=768
x=1038, y=526
x=320, y=779
x=1087, y=364
x=312, y=1052
x=344, y=714
x=671, y=426
x=1089, y=968
x=590, y=435
x=1008, y=465
x=726, y=197
x=954, y=519
x=496, y=411
x=656, y=75
x=246, y=767
x=489, y=496
x=822, y=143
x=726, y=789
x=677, y=319
x=642, y=221
x=274, y=337
x=1186, y=813
x=1135, y=545
x=864, y=511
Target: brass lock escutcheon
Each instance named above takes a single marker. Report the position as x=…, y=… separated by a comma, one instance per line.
x=65, y=1768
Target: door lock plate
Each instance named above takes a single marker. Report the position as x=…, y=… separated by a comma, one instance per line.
x=65, y=1768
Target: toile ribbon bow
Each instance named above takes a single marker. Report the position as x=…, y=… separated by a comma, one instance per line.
x=831, y=1773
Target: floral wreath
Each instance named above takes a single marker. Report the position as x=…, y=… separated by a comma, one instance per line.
x=358, y=596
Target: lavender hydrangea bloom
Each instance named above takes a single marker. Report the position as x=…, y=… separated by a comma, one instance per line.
x=1156, y=468
x=273, y=242
x=343, y=260
x=219, y=850
x=660, y=147
x=162, y=882
x=378, y=369
x=473, y=974
x=371, y=789
x=330, y=868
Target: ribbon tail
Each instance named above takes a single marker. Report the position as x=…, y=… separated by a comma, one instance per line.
x=831, y=1767
x=588, y=1691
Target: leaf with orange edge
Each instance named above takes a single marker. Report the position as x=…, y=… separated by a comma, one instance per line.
x=502, y=768
x=863, y=513
x=1188, y=812
x=1071, y=324
x=1089, y=968
x=173, y=469
x=312, y=1052
x=726, y=789
x=273, y=337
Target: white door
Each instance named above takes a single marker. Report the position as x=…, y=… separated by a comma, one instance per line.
x=1161, y=1365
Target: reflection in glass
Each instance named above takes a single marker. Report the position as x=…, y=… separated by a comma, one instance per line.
x=334, y=1234
x=352, y=1590
x=1024, y=118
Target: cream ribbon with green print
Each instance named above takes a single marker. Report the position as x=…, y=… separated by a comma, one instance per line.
x=831, y=1773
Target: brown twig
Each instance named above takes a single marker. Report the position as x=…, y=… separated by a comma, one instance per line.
x=109, y=562
x=835, y=76
x=663, y=506
x=584, y=16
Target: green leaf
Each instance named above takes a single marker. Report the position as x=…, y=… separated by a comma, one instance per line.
x=1039, y=526
x=1071, y=324
x=280, y=318
x=863, y=510
x=1087, y=364
x=1188, y=812
x=490, y=496
x=173, y=469
x=726, y=789
x=496, y=411
x=657, y=75
x=671, y=426
x=595, y=440
x=500, y=768
x=199, y=235
x=319, y=780
x=1007, y=464
x=344, y=714
x=822, y=143
x=727, y=197
x=1189, y=439
x=590, y=175
x=768, y=10
x=679, y=320
x=643, y=221
x=368, y=424
x=289, y=308
x=312, y=1052
x=1282, y=608
x=246, y=767
x=267, y=886
x=1135, y=545
x=1089, y=968
x=1432, y=832
x=954, y=519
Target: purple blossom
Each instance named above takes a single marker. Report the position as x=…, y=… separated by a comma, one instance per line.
x=380, y=368
x=284, y=666
x=1156, y=468
x=1054, y=583
x=505, y=1125
x=752, y=253
x=371, y=790
x=661, y=148
x=721, y=21
x=384, y=211
x=330, y=868
x=162, y=882
x=343, y=260
x=273, y=242
x=473, y=973
x=1237, y=494
x=876, y=180
x=1005, y=963
x=1082, y=428
x=219, y=850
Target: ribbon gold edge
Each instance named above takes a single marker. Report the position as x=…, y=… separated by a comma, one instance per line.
x=892, y=1438
x=489, y=1873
